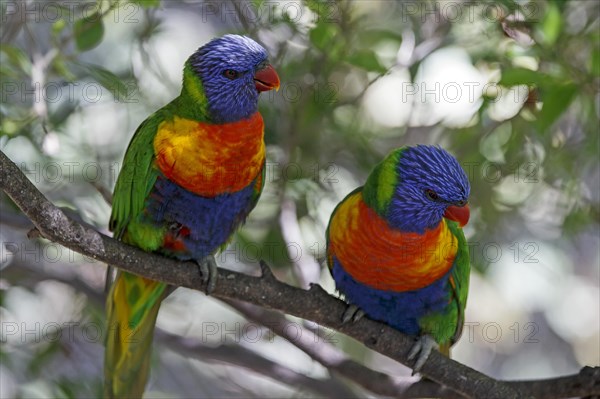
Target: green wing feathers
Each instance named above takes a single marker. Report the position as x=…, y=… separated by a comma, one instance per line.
x=460, y=278
x=132, y=305
x=137, y=177
x=133, y=301
x=446, y=326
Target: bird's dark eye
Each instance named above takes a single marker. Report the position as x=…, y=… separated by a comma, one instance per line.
x=432, y=195
x=231, y=74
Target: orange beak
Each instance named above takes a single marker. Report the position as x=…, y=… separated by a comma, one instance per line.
x=459, y=214
x=266, y=79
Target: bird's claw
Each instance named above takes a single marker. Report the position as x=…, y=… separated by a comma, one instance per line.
x=352, y=313
x=421, y=351
x=208, y=270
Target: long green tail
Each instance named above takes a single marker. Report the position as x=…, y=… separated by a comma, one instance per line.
x=132, y=306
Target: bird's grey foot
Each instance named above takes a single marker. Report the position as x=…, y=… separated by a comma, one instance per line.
x=421, y=350
x=352, y=313
x=208, y=270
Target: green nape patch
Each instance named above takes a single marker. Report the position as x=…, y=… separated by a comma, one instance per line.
x=380, y=186
x=192, y=94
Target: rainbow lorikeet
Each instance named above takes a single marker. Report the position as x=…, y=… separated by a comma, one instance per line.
x=396, y=249
x=191, y=174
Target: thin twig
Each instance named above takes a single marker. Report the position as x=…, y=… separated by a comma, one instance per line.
x=242, y=357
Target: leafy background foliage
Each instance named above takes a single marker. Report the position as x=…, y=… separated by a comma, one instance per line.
x=511, y=88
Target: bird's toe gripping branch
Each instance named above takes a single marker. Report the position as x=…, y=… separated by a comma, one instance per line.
x=208, y=270
x=421, y=351
x=352, y=313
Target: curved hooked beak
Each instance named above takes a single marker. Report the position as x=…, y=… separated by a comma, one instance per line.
x=459, y=214
x=266, y=79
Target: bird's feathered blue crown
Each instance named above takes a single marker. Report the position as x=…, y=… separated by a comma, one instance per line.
x=229, y=100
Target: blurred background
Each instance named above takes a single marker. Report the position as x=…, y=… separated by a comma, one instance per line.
x=511, y=88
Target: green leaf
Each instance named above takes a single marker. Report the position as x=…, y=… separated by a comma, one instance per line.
x=377, y=35
x=552, y=24
x=43, y=356
x=325, y=11
x=17, y=58
x=9, y=127
x=58, y=26
x=577, y=220
x=107, y=79
x=522, y=76
x=65, y=389
x=595, y=62
x=147, y=3
x=366, y=59
x=493, y=146
x=60, y=67
x=556, y=100
x=88, y=32
x=556, y=94
x=322, y=34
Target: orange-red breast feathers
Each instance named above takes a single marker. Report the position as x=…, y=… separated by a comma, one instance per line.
x=209, y=159
x=382, y=257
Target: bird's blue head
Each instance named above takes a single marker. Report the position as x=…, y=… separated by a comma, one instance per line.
x=233, y=70
x=415, y=187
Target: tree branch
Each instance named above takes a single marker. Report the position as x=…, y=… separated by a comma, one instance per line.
x=318, y=348
x=314, y=304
